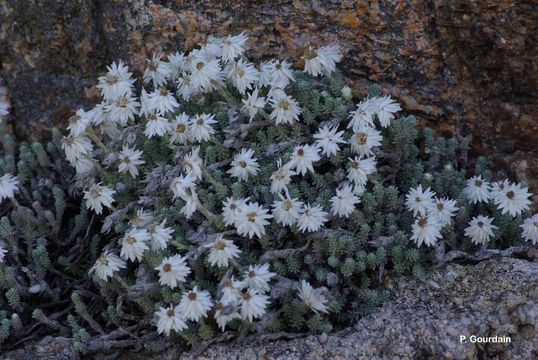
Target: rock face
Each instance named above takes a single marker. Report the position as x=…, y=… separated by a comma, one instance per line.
x=461, y=67
x=426, y=319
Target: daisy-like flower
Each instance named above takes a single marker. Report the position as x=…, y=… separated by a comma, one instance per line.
x=83, y=165
x=170, y=319
x=312, y=218
x=443, y=210
x=328, y=139
x=287, y=210
x=343, y=204
x=253, y=305
x=123, y=109
x=205, y=74
x=303, y=158
x=157, y=71
x=116, y=82
x=285, y=109
x=231, y=209
x=362, y=116
x=213, y=47
x=253, y=104
x=200, y=127
x=257, y=278
x=313, y=298
x=129, y=160
x=163, y=101
x=3, y=252
x=8, y=186
x=243, y=75
x=195, y=304
x=233, y=46
x=365, y=139
x=156, y=125
x=141, y=219
x=426, y=230
x=281, y=177
x=192, y=163
x=191, y=204
x=173, y=270
x=176, y=64
x=321, y=61
x=498, y=190
x=98, y=196
x=160, y=235
x=75, y=146
x=98, y=114
x=515, y=200
x=222, y=251
x=179, y=129
x=419, y=201
x=106, y=265
x=133, y=244
x=384, y=108
x=244, y=165
x=185, y=87
x=183, y=186
x=360, y=169
x=477, y=190
x=480, y=229
x=251, y=220
x=4, y=107
x=79, y=122
x=226, y=312
x=231, y=290
x=530, y=229
x=276, y=74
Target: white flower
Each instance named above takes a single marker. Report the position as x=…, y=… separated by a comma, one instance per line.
x=287, y=210
x=226, y=312
x=97, y=197
x=477, y=190
x=160, y=235
x=83, y=165
x=205, y=74
x=106, y=265
x=170, y=319
x=195, y=304
x=183, y=186
x=362, y=116
x=251, y=220
x=213, y=47
x=231, y=290
x=419, y=201
x=191, y=204
x=231, y=209
x=3, y=252
x=163, y=101
x=243, y=75
x=146, y=105
x=343, y=204
x=157, y=71
x=275, y=73
x=530, y=229
x=365, y=139
x=173, y=270
x=200, y=127
x=176, y=64
x=221, y=251
x=244, y=165
x=257, y=278
x=98, y=114
x=156, y=125
x=313, y=298
x=133, y=244
x=253, y=305
x=480, y=229
x=75, y=146
x=129, y=160
x=321, y=61
x=233, y=46
x=179, y=129
x=79, y=122
x=443, y=210
x=285, y=109
x=185, y=87
x=346, y=93
x=192, y=163
x=303, y=158
x=253, y=104
x=385, y=107
x=8, y=185
x=141, y=219
x=360, y=169
x=4, y=107
x=312, y=218
x=498, y=190
x=281, y=177
x=426, y=230
x=122, y=109
x=328, y=139
x=514, y=200
x=116, y=82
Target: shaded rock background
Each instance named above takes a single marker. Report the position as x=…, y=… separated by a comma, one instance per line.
x=461, y=66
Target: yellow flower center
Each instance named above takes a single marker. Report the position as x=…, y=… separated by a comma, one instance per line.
x=361, y=138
